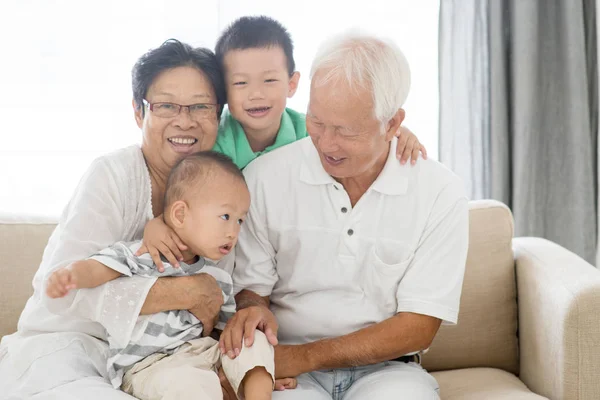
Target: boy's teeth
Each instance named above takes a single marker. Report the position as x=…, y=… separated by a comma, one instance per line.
x=182, y=140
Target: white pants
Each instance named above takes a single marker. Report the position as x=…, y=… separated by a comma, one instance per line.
x=66, y=374
x=390, y=380
x=72, y=374
x=191, y=371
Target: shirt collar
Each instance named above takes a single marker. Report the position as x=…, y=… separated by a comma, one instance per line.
x=243, y=151
x=312, y=171
x=285, y=135
x=392, y=180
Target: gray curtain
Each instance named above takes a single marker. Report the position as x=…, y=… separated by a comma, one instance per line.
x=519, y=111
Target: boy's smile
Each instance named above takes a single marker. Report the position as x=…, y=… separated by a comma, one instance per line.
x=258, y=112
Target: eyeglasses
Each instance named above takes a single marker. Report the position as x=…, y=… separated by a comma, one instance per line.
x=170, y=110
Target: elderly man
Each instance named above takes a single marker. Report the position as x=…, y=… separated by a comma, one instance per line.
x=350, y=258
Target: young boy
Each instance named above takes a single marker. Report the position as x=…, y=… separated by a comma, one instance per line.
x=206, y=201
x=256, y=57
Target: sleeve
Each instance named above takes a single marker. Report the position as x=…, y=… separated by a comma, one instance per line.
x=433, y=281
x=255, y=265
x=92, y=221
x=121, y=258
x=114, y=258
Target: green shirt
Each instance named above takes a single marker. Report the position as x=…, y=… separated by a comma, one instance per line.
x=232, y=140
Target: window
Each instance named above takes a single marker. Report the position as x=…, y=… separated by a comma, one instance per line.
x=65, y=75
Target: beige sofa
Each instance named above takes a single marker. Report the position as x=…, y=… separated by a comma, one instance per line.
x=529, y=325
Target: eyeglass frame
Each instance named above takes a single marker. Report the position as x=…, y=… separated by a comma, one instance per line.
x=150, y=107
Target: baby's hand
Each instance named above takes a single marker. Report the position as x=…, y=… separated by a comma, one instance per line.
x=61, y=282
x=160, y=239
x=285, y=383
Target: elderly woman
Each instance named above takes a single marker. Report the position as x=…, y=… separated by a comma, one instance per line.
x=60, y=349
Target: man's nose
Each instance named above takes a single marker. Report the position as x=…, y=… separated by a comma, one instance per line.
x=327, y=140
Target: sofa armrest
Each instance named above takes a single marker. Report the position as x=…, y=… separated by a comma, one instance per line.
x=559, y=321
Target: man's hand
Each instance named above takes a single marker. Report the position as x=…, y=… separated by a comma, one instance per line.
x=209, y=299
x=243, y=324
x=160, y=239
x=290, y=360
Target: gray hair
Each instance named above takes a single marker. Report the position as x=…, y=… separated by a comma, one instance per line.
x=370, y=62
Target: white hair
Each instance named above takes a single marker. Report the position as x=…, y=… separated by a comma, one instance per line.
x=370, y=62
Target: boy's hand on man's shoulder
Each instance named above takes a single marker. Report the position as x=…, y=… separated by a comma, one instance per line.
x=409, y=146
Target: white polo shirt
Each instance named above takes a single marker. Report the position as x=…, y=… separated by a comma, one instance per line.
x=331, y=269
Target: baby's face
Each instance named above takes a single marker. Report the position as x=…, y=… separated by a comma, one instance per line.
x=258, y=85
x=213, y=223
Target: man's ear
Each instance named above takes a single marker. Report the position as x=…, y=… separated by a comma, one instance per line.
x=138, y=112
x=394, y=124
x=177, y=213
x=293, y=84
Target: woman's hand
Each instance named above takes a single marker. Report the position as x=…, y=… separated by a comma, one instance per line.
x=209, y=299
x=160, y=239
x=408, y=146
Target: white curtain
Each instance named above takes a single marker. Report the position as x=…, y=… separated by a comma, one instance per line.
x=519, y=92
x=65, y=91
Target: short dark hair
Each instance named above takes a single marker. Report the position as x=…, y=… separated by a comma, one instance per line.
x=172, y=54
x=191, y=171
x=256, y=33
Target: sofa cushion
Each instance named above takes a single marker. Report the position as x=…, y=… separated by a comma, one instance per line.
x=21, y=248
x=482, y=383
x=486, y=333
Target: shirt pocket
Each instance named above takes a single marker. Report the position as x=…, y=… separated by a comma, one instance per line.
x=384, y=267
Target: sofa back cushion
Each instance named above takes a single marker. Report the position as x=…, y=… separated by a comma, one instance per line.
x=21, y=248
x=486, y=333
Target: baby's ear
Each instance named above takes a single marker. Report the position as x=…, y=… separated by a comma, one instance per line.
x=177, y=213
x=293, y=84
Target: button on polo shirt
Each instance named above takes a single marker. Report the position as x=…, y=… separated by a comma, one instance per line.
x=401, y=248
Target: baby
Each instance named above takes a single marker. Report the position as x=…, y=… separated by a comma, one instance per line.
x=206, y=201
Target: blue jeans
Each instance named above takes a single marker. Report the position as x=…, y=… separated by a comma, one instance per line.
x=389, y=380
